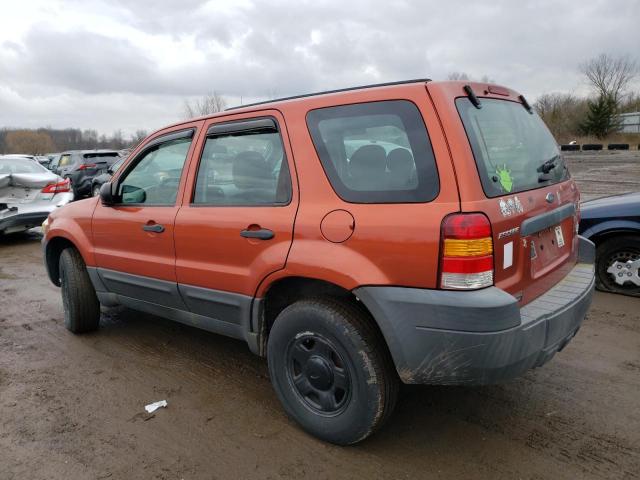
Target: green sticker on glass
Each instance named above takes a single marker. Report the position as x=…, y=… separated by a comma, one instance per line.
x=504, y=177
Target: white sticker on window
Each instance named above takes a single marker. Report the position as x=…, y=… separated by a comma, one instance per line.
x=507, y=257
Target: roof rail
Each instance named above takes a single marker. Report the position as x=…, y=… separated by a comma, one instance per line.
x=415, y=80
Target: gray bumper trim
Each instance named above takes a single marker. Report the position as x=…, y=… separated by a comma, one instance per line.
x=442, y=337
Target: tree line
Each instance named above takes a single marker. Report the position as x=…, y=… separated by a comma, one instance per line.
x=50, y=140
x=610, y=79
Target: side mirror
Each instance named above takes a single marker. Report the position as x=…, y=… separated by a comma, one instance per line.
x=131, y=194
x=106, y=194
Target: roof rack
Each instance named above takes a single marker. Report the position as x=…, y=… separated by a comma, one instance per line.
x=415, y=80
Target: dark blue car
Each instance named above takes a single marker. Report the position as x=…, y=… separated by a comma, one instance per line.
x=613, y=224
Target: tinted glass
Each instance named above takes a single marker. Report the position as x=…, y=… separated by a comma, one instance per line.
x=375, y=152
x=155, y=178
x=98, y=157
x=243, y=169
x=513, y=149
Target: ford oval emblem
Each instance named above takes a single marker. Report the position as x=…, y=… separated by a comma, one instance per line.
x=550, y=197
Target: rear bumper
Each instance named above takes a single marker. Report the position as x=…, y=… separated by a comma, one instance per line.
x=479, y=337
x=31, y=215
x=19, y=222
x=80, y=182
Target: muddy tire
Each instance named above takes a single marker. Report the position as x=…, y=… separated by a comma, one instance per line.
x=331, y=370
x=614, y=252
x=81, y=306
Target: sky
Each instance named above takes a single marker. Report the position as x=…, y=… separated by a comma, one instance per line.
x=130, y=64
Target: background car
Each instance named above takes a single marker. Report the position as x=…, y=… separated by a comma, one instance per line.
x=104, y=177
x=28, y=194
x=82, y=166
x=613, y=224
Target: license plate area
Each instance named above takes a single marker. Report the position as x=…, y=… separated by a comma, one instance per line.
x=548, y=248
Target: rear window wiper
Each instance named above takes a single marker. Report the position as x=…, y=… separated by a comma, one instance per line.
x=549, y=165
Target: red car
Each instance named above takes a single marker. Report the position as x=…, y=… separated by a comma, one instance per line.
x=423, y=232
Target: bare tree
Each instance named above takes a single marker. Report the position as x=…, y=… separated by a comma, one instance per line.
x=563, y=114
x=465, y=77
x=610, y=76
x=210, y=103
x=28, y=142
x=137, y=137
x=462, y=76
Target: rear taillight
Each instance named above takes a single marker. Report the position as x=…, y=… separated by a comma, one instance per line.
x=85, y=166
x=60, y=187
x=466, y=253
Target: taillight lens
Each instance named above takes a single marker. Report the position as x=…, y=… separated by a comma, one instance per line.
x=466, y=252
x=60, y=187
x=84, y=166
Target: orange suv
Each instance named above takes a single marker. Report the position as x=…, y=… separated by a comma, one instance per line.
x=422, y=232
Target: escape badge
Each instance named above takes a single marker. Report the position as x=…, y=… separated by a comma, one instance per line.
x=505, y=179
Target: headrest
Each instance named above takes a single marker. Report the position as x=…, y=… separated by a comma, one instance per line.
x=400, y=160
x=368, y=160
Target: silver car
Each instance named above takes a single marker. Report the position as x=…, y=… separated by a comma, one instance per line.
x=28, y=194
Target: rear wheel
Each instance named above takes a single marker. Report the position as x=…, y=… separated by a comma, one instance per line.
x=618, y=265
x=81, y=306
x=331, y=370
x=95, y=191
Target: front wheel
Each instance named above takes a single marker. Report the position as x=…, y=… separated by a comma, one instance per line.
x=81, y=306
x=618, y=265
x=331, y=370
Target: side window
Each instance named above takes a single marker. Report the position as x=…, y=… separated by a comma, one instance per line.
x=376, y=152
x=156, y=175
x=64, y=160
x=243, y=168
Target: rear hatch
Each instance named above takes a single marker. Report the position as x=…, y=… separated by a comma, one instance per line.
x=523, y=186
x=24, y=182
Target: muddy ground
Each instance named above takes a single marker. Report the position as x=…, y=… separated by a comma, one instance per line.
x=72, y=407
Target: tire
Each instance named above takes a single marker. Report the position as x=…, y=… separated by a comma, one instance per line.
x=81, y=306
x=592, y=146
x=95, y=190
x=618, y=146
x=313, y=337
x=616, y=249
x=570, y=148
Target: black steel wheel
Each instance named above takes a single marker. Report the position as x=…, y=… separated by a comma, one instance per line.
x=332, y=370
x=318, y=373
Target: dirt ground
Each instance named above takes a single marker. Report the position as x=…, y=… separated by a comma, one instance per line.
x=72, y=407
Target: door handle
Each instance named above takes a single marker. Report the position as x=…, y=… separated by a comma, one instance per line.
x=262, y=234
x=155, y=227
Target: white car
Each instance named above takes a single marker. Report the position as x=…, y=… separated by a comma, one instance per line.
x=28, y=194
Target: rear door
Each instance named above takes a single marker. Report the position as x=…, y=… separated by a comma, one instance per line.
x=514, y=173
x=236, y=223
x=134, y=239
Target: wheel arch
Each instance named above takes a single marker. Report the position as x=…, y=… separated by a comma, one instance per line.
x=603, y=231
x=52, y=250
x=284, y=291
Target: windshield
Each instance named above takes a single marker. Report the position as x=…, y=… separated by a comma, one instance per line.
x=19, y=165
x=513, y=149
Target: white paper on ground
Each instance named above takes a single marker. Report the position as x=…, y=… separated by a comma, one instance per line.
x=507, y=259
x=152, y=407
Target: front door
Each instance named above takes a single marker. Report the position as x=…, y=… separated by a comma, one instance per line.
x=236, y=223
x=133, y=239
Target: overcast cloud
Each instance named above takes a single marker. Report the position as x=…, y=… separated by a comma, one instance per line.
x=130, y=64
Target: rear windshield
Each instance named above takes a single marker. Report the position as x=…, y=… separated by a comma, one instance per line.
x=376, y=152
x=513, y=149
x=17, y=165
x=102, y=156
